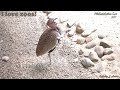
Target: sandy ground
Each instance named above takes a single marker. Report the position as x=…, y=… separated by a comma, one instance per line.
x=19, y=34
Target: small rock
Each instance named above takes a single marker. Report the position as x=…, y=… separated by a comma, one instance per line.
x=74, y=38
x=70, y=34
x=100, y=36
x=5, y=58
x=86, y=62
x=105, y=44
x=70, y=24
x=67, y=31
x=99, y=67
x=1, y=41
x=75, y=60
x=79, y=29
x=91, y=44
x=99, y=50
x=87, y=52
x=87, y=33
x=111, y=57
x=88, y=39
x=80, y=40
x=108, y=57
x=81, y=51
x=108, y=51
x=93, y=56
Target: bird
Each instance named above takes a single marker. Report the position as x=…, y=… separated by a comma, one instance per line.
x=49, y=39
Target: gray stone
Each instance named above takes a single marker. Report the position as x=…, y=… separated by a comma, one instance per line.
x=91, y=44
x=86, y=62
x=99, y=50
x=105, y=44
x=74, y=38
x=99, y=67
x=76, y=59
x=1, y=41
x=108, y=51
x=93, y=56
x=87, y=52
x=100, y=36
x=79, y=29
x=81, y=51
x=70, y=34
x=85, y=34
x=70, y=24
x=108, y=57
x=5, y=58
x=67, y=31
x=88, y=39
x=88, y=32
x=80, y=40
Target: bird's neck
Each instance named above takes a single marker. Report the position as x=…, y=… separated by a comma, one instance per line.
x=57, y=29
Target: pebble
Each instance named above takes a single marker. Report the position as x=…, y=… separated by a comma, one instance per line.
x=1, y=41
x=76, y=59
x=86, y=62
x=87, y=52
x=81, y=51
x=70, y=34
x=70, y=24
x=5, y=58
x=74, y=38
x=99, y=67
x=93, y=56
x=108, y=51
x=91, y=44
x=67, y=31
x=108, y=57
x=87, y=33
x=88, y=39
x=100, y=36
x=80, y=40
x=79, y=29
x=99, y=50
x=105, y=44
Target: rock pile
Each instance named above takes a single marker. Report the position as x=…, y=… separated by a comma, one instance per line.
x=94, y=49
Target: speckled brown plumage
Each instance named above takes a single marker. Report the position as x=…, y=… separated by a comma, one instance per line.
x=48, y=39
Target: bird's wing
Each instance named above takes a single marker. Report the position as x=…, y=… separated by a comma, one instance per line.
x=46, y=42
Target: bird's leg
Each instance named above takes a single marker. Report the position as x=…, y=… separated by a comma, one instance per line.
x=49, y=54
x=49, y=58
x=58, y=40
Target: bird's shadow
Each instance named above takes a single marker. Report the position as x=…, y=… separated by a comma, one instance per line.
x=41, y=67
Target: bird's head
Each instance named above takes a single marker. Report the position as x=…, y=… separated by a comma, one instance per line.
x=51, y=22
